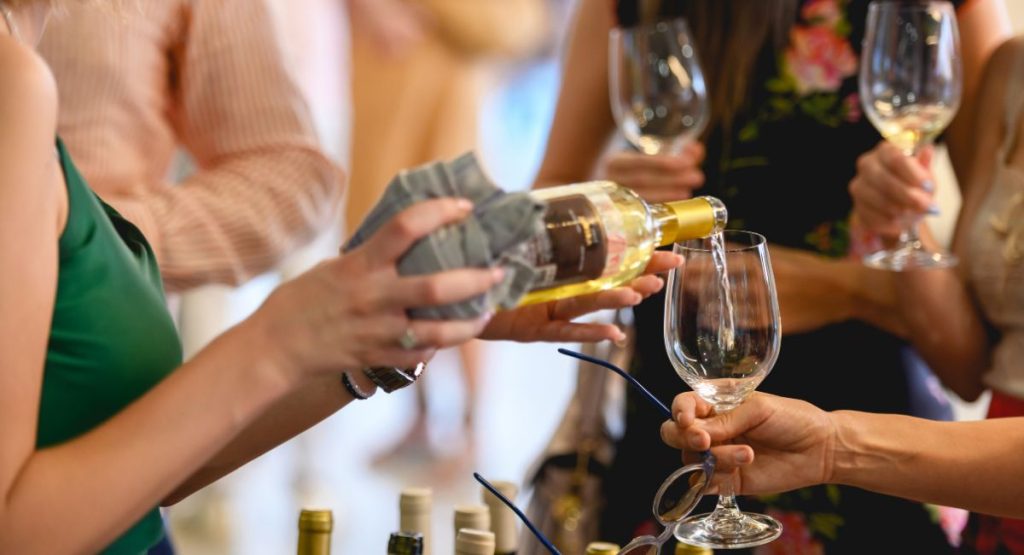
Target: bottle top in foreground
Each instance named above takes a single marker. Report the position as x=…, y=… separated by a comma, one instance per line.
x=474, y=542
x=316, y=520
x=602, y=548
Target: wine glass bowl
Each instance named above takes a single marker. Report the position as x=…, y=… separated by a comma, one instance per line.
x=911, y=83
x=657, y=90
x=723, y=334
x=722, y=331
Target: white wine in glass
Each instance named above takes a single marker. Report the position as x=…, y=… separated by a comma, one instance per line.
x=910, y=85
x=723, y=334
x=656, y=86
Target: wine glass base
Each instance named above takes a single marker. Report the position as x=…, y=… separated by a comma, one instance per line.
x=748, y=530
x=909, y=259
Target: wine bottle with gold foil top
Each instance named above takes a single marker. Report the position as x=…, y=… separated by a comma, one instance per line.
x=684, y=549
x=600, y=235
x=414, y=506
x=602, y=548
x=315, y=532
x=503, y=520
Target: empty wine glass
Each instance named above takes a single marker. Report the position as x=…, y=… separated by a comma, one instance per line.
x=656, y=86
x=722, y=334
x=910, y=86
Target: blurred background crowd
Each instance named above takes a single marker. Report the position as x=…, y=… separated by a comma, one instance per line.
x=390, y=84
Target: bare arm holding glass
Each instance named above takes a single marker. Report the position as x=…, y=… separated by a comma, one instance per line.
x=784, y=444
x=941, y=315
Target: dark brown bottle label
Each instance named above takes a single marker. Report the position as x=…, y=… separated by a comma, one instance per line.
x=574, y=247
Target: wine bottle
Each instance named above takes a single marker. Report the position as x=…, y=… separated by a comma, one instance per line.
x=315, y=527
x=503, y=520
x=602, y=548
x=405, y=543
x=474, y=517
x=474, y=542
x=686, y=549
x=414, y=514
x=599, y=235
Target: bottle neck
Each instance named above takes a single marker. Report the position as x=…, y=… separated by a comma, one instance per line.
x=688, y=219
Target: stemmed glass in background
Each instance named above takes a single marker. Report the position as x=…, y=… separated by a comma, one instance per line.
x=910, y=87
x=656, y=86
x=722, y=334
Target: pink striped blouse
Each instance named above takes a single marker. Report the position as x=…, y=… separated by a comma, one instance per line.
x=209, y=76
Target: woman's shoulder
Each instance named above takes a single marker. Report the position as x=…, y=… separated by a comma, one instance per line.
x=1006, y=54
x=1001, y=70
x=29, y=91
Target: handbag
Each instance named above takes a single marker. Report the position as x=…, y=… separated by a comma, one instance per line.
x=508, y=28
x=567, y=481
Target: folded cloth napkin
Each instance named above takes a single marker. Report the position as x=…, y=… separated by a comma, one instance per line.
x=493, y=235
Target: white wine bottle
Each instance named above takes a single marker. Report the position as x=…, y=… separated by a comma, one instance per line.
x=315, y=527
x=599, y=235
x=414, y=505
x=503, y=520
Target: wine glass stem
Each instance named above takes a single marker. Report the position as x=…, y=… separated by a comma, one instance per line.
x=727, y=495
x=909, y=239
x=726, y=510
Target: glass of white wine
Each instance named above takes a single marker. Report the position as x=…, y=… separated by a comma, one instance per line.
x=723, y=334
x=656, y=85
x=910, y=86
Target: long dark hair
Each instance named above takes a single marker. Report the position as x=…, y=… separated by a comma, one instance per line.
x=731, y=36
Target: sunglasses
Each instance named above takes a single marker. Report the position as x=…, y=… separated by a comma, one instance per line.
x=675, y=499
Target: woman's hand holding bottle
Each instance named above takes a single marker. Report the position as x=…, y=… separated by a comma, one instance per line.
x=350, y=312
x=658, y=177
x=891, y=187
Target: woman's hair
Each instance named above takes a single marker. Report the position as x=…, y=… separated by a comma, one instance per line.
x=731, y=36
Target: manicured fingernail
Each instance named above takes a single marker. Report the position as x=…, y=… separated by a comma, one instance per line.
x=498, y=274
x=928, y=186
x=933, y=210
x=464, y=204
x=743, y=457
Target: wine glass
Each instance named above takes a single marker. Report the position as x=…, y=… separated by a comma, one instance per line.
x=656, y=86
x=722, y=334
x=910, y=87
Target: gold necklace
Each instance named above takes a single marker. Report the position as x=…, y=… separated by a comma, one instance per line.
x=9, y=19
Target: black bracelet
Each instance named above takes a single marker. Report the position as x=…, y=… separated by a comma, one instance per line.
x=353, y=389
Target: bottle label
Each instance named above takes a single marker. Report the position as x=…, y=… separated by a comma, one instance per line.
x=575, y=245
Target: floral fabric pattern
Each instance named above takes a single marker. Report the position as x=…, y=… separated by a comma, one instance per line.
x=813, y=68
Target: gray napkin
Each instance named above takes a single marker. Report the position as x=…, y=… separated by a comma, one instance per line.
x=493, y=235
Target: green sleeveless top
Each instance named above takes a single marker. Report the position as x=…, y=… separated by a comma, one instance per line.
x=111, y=339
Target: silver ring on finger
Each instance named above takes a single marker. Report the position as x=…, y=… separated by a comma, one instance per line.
x=408, y=341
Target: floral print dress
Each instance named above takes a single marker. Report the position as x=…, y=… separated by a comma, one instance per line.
x=783, y=171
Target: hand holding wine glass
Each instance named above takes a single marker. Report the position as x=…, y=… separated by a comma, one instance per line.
x=722, y=334
x=910, y=86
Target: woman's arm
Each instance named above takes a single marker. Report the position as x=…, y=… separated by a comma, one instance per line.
x=815, y=291
x=785, y=444
x=941, y=316
x=984, y=25
x=346, y=313
x=583, y=119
